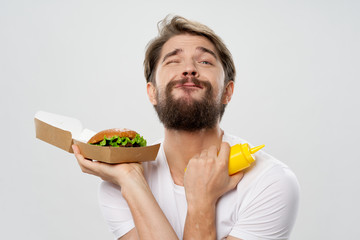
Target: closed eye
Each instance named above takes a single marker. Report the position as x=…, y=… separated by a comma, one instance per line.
x=172, y=61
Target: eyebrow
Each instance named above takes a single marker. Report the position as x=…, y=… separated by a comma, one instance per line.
x=178, y=50
x=206, y=50
x=172, y=53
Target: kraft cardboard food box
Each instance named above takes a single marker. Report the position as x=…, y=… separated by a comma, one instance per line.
x=62, y=132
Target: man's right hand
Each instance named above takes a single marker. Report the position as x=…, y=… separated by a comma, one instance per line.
x=146, y=213
x=119, y=174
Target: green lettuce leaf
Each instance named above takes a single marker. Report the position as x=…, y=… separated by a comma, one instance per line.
x=117, y=141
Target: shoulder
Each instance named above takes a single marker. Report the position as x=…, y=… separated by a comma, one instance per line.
x=268, y=196
x=265, y=167
x=270, y=172
x=267, y=172
x=275, y=182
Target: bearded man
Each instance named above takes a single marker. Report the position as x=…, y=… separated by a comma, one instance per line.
x=190, y=79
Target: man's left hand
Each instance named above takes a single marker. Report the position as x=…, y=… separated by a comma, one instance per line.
x=207, y=176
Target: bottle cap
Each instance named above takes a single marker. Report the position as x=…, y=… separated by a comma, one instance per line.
x=255, y=149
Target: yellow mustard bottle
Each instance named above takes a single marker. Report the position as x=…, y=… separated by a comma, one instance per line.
x=241, y=157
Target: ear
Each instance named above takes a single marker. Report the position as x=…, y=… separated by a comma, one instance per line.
x=228, y=92
x=151, y=92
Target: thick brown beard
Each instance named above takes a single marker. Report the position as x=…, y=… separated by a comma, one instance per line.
x=181, y=114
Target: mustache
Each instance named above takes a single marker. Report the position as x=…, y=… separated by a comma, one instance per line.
x=193, y=80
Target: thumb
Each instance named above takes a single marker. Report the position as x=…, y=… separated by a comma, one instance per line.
x=224, y=152
x=236, y=178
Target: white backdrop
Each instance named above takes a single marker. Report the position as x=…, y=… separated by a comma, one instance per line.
x=296, y=91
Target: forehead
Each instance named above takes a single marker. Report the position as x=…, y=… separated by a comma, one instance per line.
x=187, y=42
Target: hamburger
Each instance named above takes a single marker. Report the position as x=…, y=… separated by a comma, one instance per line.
x=118, y=137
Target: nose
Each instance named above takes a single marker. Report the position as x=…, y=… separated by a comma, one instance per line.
x=190, y=71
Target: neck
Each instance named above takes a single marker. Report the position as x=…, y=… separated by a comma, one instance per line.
x=181, y=146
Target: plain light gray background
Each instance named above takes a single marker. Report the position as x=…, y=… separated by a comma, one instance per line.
x=296, y=91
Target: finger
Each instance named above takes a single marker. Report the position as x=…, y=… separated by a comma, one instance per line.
x=236, y=178
x=86, y=165
x=224, y=152
x=204, y=153
x=77, y=153
x=82, y=162
x=196, y=156
x=212, y=151
x=75, y=149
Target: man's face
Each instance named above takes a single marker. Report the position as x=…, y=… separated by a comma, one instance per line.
x=189, y=92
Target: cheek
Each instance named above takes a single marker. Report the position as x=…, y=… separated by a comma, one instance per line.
x=217, y=82
x=163, y=76
x=221, y=84
x=219, y=94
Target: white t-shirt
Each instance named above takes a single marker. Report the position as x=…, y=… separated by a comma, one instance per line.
x=263, y=206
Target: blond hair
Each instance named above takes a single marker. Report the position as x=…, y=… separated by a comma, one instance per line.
x=170, y=27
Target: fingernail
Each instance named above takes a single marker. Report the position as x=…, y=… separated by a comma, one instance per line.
x=74, y=149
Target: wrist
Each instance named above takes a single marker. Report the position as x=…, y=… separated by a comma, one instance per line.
x=200, y=201
x=200, y=221
x=132, y=187
x=130, y=176
x=201, y=208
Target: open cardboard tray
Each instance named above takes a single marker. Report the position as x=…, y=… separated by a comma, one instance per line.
x=62, y=132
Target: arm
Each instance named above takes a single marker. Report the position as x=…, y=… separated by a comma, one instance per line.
x=232, y=238
x=271, y=206
x=150, y=221
x=206, y=180
x=131, y=235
